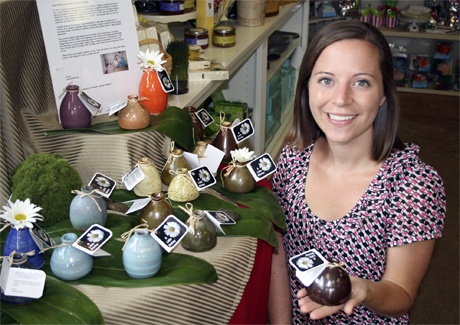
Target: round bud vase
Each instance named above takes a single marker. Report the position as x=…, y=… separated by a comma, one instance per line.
x=72, y=112
x=133, y=116
x=238, y=179
x=182, y=188
x=225, y=140
x=152, y=180
x=201, y=235
x=69, y=263
x=175, y=161
x=87, y=208
x=156, y=211
x=152, y=95
x=196, y=122
x=142, y=255
x=21, y=261
x=21, y=241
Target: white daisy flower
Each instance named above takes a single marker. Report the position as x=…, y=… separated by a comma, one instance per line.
x=172, y=229
x=102, y=181
x=151, y=60
x=245, y=128
x=242, y=155
x=304, y=263
x=204, y=175
x=21, y=214
x=95, y=236
x=265, y=164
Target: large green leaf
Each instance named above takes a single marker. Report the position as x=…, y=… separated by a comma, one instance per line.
x=60, y=304
x=109, y=271
x=173, y=122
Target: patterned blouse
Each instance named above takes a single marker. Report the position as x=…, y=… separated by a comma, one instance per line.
x=404, y=203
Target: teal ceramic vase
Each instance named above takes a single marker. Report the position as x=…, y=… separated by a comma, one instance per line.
x=21, y=241
x=142, y=255
x=20, y=260
x=87, y=208
x=69, y=263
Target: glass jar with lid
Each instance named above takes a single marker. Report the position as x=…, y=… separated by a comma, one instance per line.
x=172, y=7
x=224, y=36
x=197, y=36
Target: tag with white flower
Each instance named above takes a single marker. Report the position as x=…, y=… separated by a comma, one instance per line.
x=219, y=218
x=93, y=239
x=308, y=265
x=170, y=232
x=202, y=177
x=104, y=185
x=242, y=130
x=204, y=117
x=261, y=167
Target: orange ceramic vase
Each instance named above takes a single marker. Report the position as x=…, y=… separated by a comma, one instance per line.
x=150, y=88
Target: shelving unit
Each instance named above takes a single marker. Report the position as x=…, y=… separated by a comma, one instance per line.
x=247, y=66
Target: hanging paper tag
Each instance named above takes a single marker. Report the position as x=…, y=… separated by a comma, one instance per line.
x=219, y=218
x=19, y=282
x=93, y=239
x=261, y=167
x=41, y=237
x=308, y=265
x=170, y=232
x=93, y=106
x=165, y=81
x=118, y=106
x=242, y=130
x=204, y=117
x=202, y=177
x=133, y=177
x=211, y=158
x=137, y=204
x=103, y=185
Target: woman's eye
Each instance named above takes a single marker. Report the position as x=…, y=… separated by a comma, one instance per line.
x=362, y=83
x=325, y=81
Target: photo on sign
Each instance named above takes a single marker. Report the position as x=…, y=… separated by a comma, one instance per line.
x=93, y=239
x=262, y=166
x=204, y=117
x=307, y=260
x=221, y=217
x=114, y=62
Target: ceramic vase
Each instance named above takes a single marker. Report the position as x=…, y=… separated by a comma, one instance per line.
x=200, y=149
x=201, y=235
x=133, y=116
x=20, y=260
x=156, y=211
x=238, y=179
x=152, y=180
x=87, y=208
x=72, y=112
x=182, y=188
x=196, y=122
x=142, y=255
x=175, y=162
x=225, y=140
x=151, y=94
x=21, y=241
x=69, y=263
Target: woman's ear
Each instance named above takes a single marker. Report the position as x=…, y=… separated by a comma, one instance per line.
x=382, y=101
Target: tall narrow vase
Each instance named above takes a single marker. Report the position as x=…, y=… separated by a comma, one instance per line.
x=225, y=140
x=69, y=263
x=151, y=94
x=142, y=255
x=72, y=112
x=21, y=241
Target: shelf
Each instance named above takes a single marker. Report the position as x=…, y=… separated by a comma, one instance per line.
x=276, y=64
x=164, y=19
x=422, y=34
x=428, y=91
x=275, y=146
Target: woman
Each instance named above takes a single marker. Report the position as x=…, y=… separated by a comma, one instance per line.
x=350, y=188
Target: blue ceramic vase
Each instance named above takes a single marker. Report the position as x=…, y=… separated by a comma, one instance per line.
x=21, y=241
x=87, y=209
x=20, y=260
x=69, y=263
x=142, y=255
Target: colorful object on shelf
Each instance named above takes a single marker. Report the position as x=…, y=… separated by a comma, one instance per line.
x=142, y=254
x=349, y=8
x=420, y=63
x=443, y=50
x=87, y=208
x=323, y=9
x=366, y=15
x=69, y=263
x=391, y=13
x=400, y=66
x=73, y=114
x=152, y=179
x=419, y=80
x=377, y=17
x=133, y=116
x=442, y=73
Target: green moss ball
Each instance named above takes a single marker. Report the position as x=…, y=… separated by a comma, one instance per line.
x=47, y=180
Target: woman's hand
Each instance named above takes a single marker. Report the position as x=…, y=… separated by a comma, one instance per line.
x=317, y=311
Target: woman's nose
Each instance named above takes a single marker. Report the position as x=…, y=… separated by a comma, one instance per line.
x=342, y=95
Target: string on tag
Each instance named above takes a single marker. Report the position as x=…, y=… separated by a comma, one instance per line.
x=90, y=194
x=10, y=257
x=222, y=120
x=171, y=148
x=5, y=226
x=191, y=219
x=55, y=246
x=126, y=235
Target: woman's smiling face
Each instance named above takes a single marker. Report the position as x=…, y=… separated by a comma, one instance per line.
x=346, y=90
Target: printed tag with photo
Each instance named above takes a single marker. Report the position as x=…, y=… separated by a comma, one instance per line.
x=204, y=117
x=133, y=177
x=219, y=218
x=308, y=265
x=93, y=239
x=242, y=130
x=93, y=106
x=261, y=167
x=165, y=81
x=170, y=232
x=104, y=185
x=41, y=237
x=202, y=177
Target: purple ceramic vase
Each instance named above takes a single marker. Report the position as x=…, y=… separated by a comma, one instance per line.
x=73, y=113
